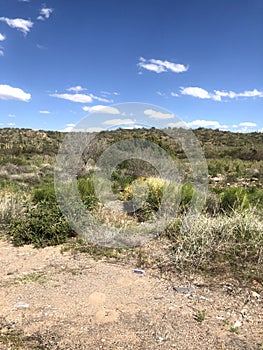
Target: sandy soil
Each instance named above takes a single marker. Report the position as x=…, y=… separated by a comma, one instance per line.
x=75, y=302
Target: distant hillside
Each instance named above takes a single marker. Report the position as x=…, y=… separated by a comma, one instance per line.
x=215, y=143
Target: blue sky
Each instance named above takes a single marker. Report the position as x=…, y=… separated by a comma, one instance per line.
x=200, y=60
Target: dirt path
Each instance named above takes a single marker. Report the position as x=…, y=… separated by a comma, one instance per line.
x=54, y=301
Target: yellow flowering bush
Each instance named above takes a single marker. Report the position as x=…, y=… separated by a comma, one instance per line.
x=147, y=193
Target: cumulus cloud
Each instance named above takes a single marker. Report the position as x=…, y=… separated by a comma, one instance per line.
x=2, y=37
x=69, y=127
x=78, y=97
x=1, y=52
x=81, y=98
x=76, y=88
x=11, y=124
x=44, y=13
x=199, y=123
x=94, y=129
x=113, y=122
x=151, y=113
x=101, y=99
x=199, y=92
x=8, y=92
x=159, y=66
x=21, y=24
x=179, y=124
x=248, y=124
x=44, y=112
x=217, y=95
x=103, y=109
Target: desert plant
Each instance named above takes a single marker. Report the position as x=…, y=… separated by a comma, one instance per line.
x=11, y=206
x=233, y=239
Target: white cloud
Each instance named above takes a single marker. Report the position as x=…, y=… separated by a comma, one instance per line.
x=251, y=93
x=161, y=93
x=248, y=124
x=157, y=114
x=228, y=94
x=44, y=112
x=179, y=124
x=174, y=94
x=76, y=88
x=94, y=129
x=81, y=98
x=11, y=124
x=11, y=115
x=118, y=122
x=69, y=127
x=159, y=66
x=107, y=93
x=45, y=13
x=199, y=92
x=1, y=52
x=21, y=24
x=41, y=47
x=8, y=92
x=103, y=109
x=217, y=95
x=2, y=37
x=199, y=123
x=101, y=99
x=204, y=123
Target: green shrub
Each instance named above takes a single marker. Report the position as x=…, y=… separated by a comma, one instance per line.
x=149, y=194
x=42, y=225
x=186, y=196
x=233, y=198
x=45, y=193
x=87, y=192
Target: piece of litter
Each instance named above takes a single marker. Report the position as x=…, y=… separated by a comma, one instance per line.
x=140, y=272
x=184, y=289
x=21, y=305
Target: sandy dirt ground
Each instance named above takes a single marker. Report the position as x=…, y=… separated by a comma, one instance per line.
x=50, y=300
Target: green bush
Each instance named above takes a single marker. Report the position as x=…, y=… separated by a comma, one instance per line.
x=87, y=192
x=45, y=193
x=233, y=198
x=43, y=225
x=147, y=193
x=186, y=196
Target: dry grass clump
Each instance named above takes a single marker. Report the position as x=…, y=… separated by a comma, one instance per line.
x=11, y=206
x=113, y=216
x=232, y=239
